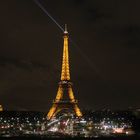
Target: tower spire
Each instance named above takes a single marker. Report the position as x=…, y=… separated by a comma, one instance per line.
x=65, y=72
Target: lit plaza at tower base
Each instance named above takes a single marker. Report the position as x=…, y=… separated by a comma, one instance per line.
x=101, y=123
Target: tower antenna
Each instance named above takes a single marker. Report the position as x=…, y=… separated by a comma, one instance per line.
x=66, y=30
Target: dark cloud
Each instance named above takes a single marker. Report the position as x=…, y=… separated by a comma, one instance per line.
x=23, y=64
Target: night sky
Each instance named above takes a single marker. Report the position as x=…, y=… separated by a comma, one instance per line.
x=104, y=58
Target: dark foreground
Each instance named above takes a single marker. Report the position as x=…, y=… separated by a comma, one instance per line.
x=74, y=138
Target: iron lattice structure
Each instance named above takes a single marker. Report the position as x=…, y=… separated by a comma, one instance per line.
x=65, y=86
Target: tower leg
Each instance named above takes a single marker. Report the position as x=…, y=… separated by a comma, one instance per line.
x=51, y=112
x=71, y=96
x=59, y=94
x=77, y=110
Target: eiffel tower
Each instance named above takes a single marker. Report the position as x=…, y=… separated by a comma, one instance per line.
x=65, y=86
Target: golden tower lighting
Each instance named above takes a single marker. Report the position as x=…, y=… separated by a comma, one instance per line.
x=65, y=86
x=1, y=108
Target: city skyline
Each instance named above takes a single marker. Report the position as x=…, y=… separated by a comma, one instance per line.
x=104, y=62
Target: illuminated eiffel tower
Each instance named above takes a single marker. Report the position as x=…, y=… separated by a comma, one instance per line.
x=65, y=87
